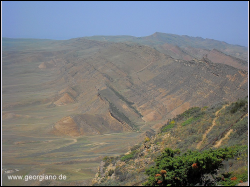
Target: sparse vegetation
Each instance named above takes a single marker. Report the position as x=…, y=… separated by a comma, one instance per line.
x=177, y=166
x=168, y=126
x=189, y=112
x=109, y=160
x=135, y=147
x=129, y=156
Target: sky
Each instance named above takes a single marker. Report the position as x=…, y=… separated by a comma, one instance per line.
x=219, y=20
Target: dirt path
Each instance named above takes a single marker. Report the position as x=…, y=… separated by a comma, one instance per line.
x=210, y=128
x=144, y=67
x=218, y=143
x=74, y=140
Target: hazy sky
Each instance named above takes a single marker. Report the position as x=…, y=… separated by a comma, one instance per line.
x=224, y=21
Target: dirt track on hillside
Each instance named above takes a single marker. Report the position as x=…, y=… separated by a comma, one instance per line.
x=210, y=128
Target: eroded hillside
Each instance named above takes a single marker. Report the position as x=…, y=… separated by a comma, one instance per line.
x=125, y=86
x=145, y=85
x=80, y=99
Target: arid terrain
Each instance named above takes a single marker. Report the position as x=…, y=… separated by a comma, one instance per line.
x=67, y=104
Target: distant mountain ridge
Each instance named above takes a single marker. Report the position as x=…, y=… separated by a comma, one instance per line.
x=199, y=46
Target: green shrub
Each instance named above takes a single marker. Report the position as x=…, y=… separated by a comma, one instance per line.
x=188, y=113
x=205, y=107
x=237, y=105
x=188, y=121
x=195, y=117
x=173, y=168
x=129, y=156
x=168, y=126
x=232, y=179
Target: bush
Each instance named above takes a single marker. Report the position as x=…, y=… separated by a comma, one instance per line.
x=188, y=121
x=188, y=113
x=188, y=168
x=195, y=117
x=108, y=160
x=129, y=156
x=230, y=179
x=147, y=139
x=241, y=127
x=110, y=172
x=236, y=106
x=168, y=126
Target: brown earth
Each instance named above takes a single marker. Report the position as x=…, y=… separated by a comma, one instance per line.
x=66, y=126
x=175, y=52
x=70, y=91
x=87, y=124
x=219, y=57
x=64, y=99
x=10, y=115
x=102, y=88
x=218, y=143
x=126, y=84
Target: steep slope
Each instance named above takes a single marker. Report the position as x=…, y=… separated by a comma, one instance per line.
x=87, y=124
x=228, y=125
x=175, y=52
x=64, y=99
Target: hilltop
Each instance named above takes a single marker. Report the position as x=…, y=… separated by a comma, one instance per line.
x=187, y=48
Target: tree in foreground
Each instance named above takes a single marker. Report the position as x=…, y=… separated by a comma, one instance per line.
x=175, y=169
